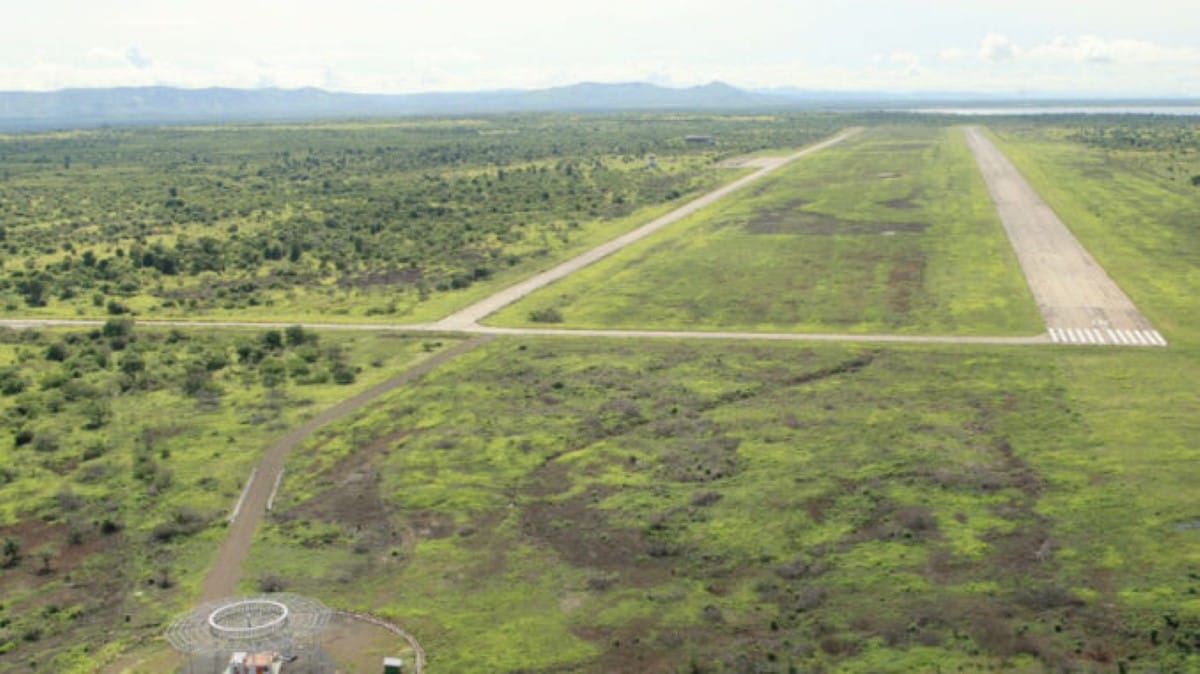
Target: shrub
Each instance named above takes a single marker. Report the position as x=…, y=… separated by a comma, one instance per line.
x=271, y=582
x=22, y=437
x=184, y=522
x=56, y=352
x=117, y=327
x=295, y=336
x=11, y=552
x=11, y=382
x=343, y=374
x=547, y=315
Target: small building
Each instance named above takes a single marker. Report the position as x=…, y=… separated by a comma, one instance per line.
x=393, y=666
x=254, y=663
x=698, y=139
x=651, y=162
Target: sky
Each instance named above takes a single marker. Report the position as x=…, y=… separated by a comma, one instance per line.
x=1096, y=47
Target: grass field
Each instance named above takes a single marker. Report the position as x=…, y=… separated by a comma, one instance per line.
x=124, y=450
x=889, y=232
x=653, y=506
x=402, y=220
x=581, y=504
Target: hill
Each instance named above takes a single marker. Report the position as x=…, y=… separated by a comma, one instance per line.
x=126, y=105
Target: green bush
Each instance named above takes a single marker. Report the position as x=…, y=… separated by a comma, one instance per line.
x=548, y=315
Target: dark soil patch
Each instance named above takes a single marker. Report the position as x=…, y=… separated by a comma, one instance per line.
x=432, y=525
x=34, y=535
x=702, y=459
x=794, y=221
x=903, y=203
x=901, y=146
x=903, y=282
x=353, y=498
x=640, y=647
x=391, y=277
x=581, y=533
x=552, y=477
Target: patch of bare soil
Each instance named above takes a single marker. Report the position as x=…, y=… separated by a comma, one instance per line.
x=357, y=646
x=789, y=220
x=581, y=533
x=904, y=280
x=62, y=556
x=633, y=648
x=552, y=477
x=391, y=277
x=353, y=497
x=903, y=203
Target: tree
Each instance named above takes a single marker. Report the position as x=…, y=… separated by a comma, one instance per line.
x=295, y=336
x=272, y=339
x=11, y=552
x=1196, y=181
x=115, y=327
x=46, y=555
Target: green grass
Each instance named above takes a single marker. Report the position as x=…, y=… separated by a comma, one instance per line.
x=578, y=504
x=537, y=502
x=161, y=464
x=401, y=221
x=890, y=232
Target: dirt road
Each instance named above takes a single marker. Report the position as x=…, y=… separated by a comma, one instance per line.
x=1079, y=302
x=471, y=315
x=226, y=570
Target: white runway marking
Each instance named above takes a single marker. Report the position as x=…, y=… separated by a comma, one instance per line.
x=1106, y=336
x=1079, y=301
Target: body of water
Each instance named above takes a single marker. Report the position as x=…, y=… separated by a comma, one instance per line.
x=1176, y=110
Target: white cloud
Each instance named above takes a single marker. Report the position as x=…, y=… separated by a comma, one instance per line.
x=137, y=58
x=1092, y=49
x=996, y=47
x=908, y=61
x=952, y=54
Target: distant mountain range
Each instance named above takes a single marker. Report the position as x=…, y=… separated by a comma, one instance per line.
x=124, y=105
x=141, y=105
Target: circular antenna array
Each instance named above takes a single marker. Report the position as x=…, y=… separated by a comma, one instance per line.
x=278, y=623
x=248, y=620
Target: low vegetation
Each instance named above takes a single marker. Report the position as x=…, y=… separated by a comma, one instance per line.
x=578, y=504
x=397, y=219
x=657, y=506
x=111, y=499
x=890, y=232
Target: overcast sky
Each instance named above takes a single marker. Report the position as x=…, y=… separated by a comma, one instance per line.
x=1150, y=47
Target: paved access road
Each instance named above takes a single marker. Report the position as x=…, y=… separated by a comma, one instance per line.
x=1080, y=303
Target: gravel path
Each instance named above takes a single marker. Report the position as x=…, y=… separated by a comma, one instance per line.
x=1079, y=302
